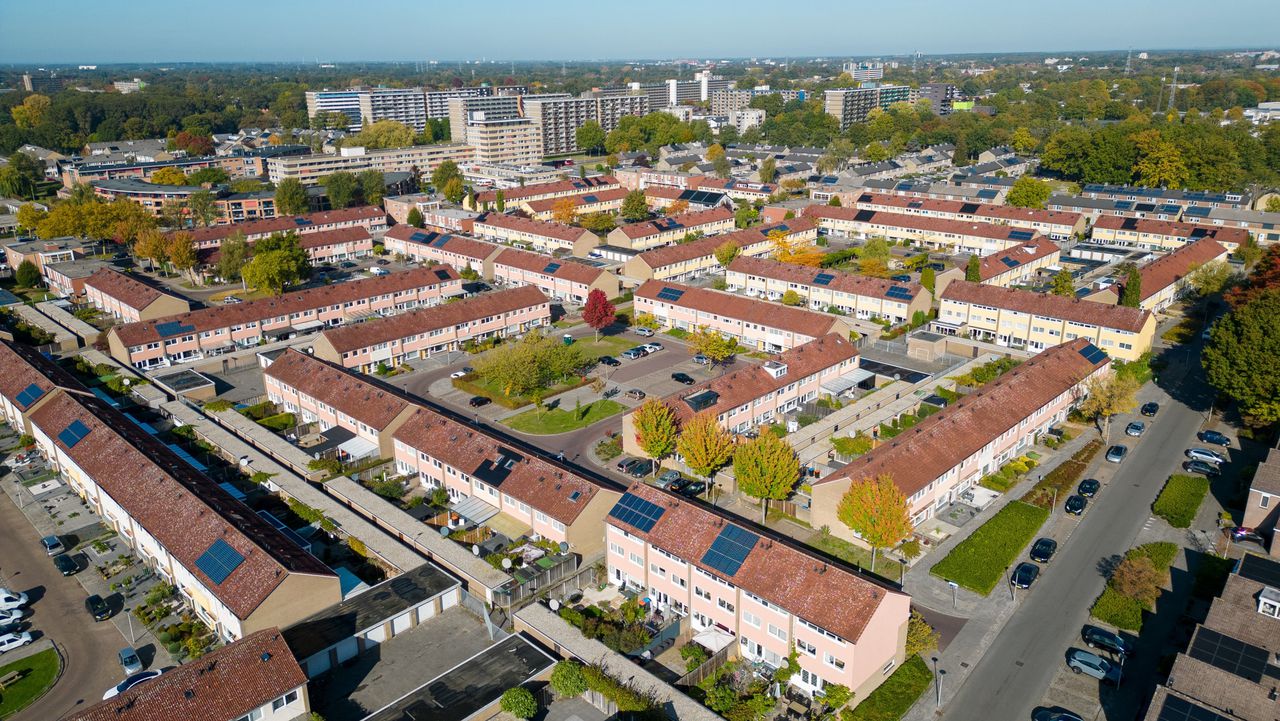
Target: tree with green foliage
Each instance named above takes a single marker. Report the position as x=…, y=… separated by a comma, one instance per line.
x=1022, y=140
x=531, y=365
x=1242, y=357
x=567, y=679
x=792, y=298
x=656, y=430
x=291, y=197
x=704, y=445
x=1206, y=279
x=834, y=202
x=415, y=218
x=1160, y=162
x=876, y=248
x=634, y=208
x=768, y=170
x=928, y=278
x=443, y=173
x=278, y=261
x=203, y=207
x=766, y=468
x=373, y=186
x=1027, y=192
x=382, y=134
x=1108, y=395
x=232, y=255
x=519, y=702
x=713, y=344
x=27, y=275
x=722, y=167
x=342, y=188
x=453, y=190
x=876, y=510
x=1273, y=204
x=590, y=137
x=745, y=215
x=1131, y=293
x=213, y=176
x=500, y=201
x=973, y=271
x=1064, y=284
x=726, y=252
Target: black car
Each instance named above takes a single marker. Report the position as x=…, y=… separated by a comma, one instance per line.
x=478, y=401
x=678, y=485
x=1054, y=713
x=1150, y=409
x=65, y=564
x=610, y=361
x=1043, y=549
x=1095, y=637
x=1089, y=487
x=684, y=378
x=384, y=262
x=1024, y=575
x=693, y=490
x=1215, y=438
x=641, y=468
x=97, y=608
x=1075, y=505
x=1201, y=467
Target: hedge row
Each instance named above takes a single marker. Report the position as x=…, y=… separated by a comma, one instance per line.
x=1061, y=480
x=1180, y=499
x=1121, y=611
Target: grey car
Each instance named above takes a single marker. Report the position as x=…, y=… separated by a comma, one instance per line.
x=1136, y=428
x=129, y=660
x=1116, y=453
x=1090, y=664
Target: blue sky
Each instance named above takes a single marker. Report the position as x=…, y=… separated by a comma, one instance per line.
x=100, y=31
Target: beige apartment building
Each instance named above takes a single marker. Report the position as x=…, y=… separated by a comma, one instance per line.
x=1153, y=234
x=542, y=236
x=309, y=169
x=1164, y=280
x=690, y=260
x=558, y=119
x=673, y=228
x=1020, y=264
x=504, y=140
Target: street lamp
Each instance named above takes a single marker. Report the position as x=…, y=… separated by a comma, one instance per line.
x=128, y=614
x=1009, y=579
x=937, y=683
x=954, y=587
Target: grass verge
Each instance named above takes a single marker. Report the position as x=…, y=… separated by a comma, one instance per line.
x=1180, y=499
x=1122, y=611
x=893, y=698
x=38, y=674
x=562, y=420
x=979, y=561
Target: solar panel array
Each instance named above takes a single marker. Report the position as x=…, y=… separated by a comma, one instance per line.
x=219, y=561
x=419, y=237
x=1011, y=262
x=1262, y=570
x=551, y=268
x=729, y=551
x=590, y=199
x=1176, y=708
x=73, y=434
x=173, y=327
x=637, y=512
x=823, y=279
x=302, y=221
x=1230, y=654
x=670, y=294
x=442, y=274
x=439, y=242
x=29, y=395
x=1021, y=235
x=899, y=292
x=1093, y=353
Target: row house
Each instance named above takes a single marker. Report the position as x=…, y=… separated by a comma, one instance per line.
x=756, y=324
x=937, y=460
x=1262, y=509
x=860, y=296
x=425, y=332
x=1263, y=226
x=371, y=218
x=543, y=236
x=429, y=246
x=1187, y=198
x=849, y=188
x=1164, y=280
x=129, y=300
x=745, y=585
x=562, y=280
x=28, y=379
x=955, y=236
x=1059, y=225
x=735, y=188
x=47, y=252
x=1094, y=208
x=686, y=261
x=222, y=329
x=1020, y=265
x=516, y=197
x=485, y=476
x=245, y=163
x=324, y=247
x=758, y=395
x=1036, y=321
x=67, y=279
x=671, y=229
x=1163, y=235
x=606, y=201
x=255, y=678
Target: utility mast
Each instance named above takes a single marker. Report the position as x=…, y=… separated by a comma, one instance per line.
x=1128, y=62
x=1173, y=89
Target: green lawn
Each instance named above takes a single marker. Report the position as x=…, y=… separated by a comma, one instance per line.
x=893, y=698
x=39, y=672
x=979, y=562
x=607, y=345
x=562, y=420
x=851, y=553
x=1180, y=499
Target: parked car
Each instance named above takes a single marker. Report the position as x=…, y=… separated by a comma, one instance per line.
x=459, y=373
x=1206, y=455
x=97, y=608
x=10, y=641
x=1054, y=713
x=379, y=271
x=609, y=361
x=634, y=353
x=679, y=485
x=129, y=660
x=1150, y=409
x=1089, y=487
x=901, y=277
x=1214, y=437
x=129, y=683
x=10, y=600
x=625, y=464
x=65, y=564
x=479, y=401
x=384, y=261
x=643, y=332
x=1095, y=637
x=701, y=359
x=683, y=378
x=1135, y=429
x=1075, y=505
x=641, y=468
x=10, y=619
x=1204, y=469
x=1043, y=549
x=52, y=545
x=1024, y=575
x=667, y=478
x=1080, y=661
x=693, y=489
x=1116, y=453
x=652, y=347
x=1244, y=534
x=635, y=394
x=231, y=300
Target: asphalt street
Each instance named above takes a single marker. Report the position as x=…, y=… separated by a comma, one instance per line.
x=1020, y=664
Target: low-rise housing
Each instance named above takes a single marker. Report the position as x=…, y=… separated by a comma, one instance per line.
x=1264, y=226
x=539, y=235
x=1164, y=280
x=128, y=299
x=370, y=218
x=1094, y=208
x=958, y=236
x=685, y=261
x=856, y=295
x=670, y=229
x=1165, y=235
x=424, y=159
x=1262, y=510
x=560, y=279
x=1059, y=225
x=605, y=201
x=1020, y=264
x=28, y=379
x=66, y=279
x=1036, y=321
x=515, y=197
x=1188, y=198
x=426, y=246
x=427, y=331
x=47, y=252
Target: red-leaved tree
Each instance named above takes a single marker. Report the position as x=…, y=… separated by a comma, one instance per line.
x=599, y=313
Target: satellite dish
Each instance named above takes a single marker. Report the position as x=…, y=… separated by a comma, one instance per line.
x=444, y=531
x=554, y=604
x=506, y=563
x=564, y=546
x=475, y=550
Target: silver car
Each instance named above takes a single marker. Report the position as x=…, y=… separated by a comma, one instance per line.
x=10, y=641
x=1116, y=453
x=1080, y=661
x=1206, y=455
x=10, y=600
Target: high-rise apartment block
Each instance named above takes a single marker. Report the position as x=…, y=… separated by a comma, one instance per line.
x=558, y=119
x=438, y=100
x=941, y=96
x=411, y=106
x=405, y=105
x=864, y=71
x=504, y=140
x=726, y=101
x=346, y=102
x=853, y=105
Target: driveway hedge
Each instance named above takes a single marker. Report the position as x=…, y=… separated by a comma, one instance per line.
x=1063, y=478
x=979, y=561
x=1180, y=499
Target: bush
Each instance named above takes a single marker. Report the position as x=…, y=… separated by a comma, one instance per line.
x=1118, y=610
x=624, y=697
x=1180, y=499
x=1063, y=478
x=694, y=655
x=979, y=562
x=388, y=489
x=567, y=679
x=609, y=449
x=852, y=445
x=519, y=702
x=892, y=699
x=987, y=372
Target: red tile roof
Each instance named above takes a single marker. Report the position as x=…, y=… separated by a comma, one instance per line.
x=802, y=583
x=568, y=269
x=579, y=185
x=224, y=316
x=605, y=196
x=960, y=207
x=473, y=248
x=345, y=392
x=753, y=381
x=301, y=223
x=542, y=228
x=22, y=366
x=1048, y=305
x=183, y=509
x=728, y=185
x=692, y=221
x=423, y=320
x=225, y=684
x=126, y=289
x=1184, y=231
x=545, y=486
x=842, y=281
x=663, y=191
x=1007, y=260
x=306, y=241
x=921, y=223
x=1164, y=272
x=771, y=315
x=923, y=453
x=704, y=247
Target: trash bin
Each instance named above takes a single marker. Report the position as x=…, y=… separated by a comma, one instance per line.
x=568, y=339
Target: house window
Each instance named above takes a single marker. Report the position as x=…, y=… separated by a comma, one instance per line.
x=284, y=700
x=253, y=715
x=806, y=648
x=1265, y=501
x=724, y=604
x=834, y=662
x=751, y=618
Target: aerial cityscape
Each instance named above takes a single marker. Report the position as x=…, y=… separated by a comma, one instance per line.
x=559, y=363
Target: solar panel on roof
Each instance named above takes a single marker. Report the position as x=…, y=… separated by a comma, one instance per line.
x=987, y=194
x=899, y=292
x=418, y=237
x=442, y=274
x=1092, y=353
x=439, y=242
x=551, y=268
x=1021, y=235
x=73, y=434
x=902, y=186
x=219, y=561
x=1176, y=708
x=1231, y=655
x=915, y=204
x=729, y=551
x=823, y=279
x=29, y=395
x=969, y=208
x=172, y=328
x=670, y=294
x=637, y=512
x=1262, y=570
x=1011, y=262
x=302, y=221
